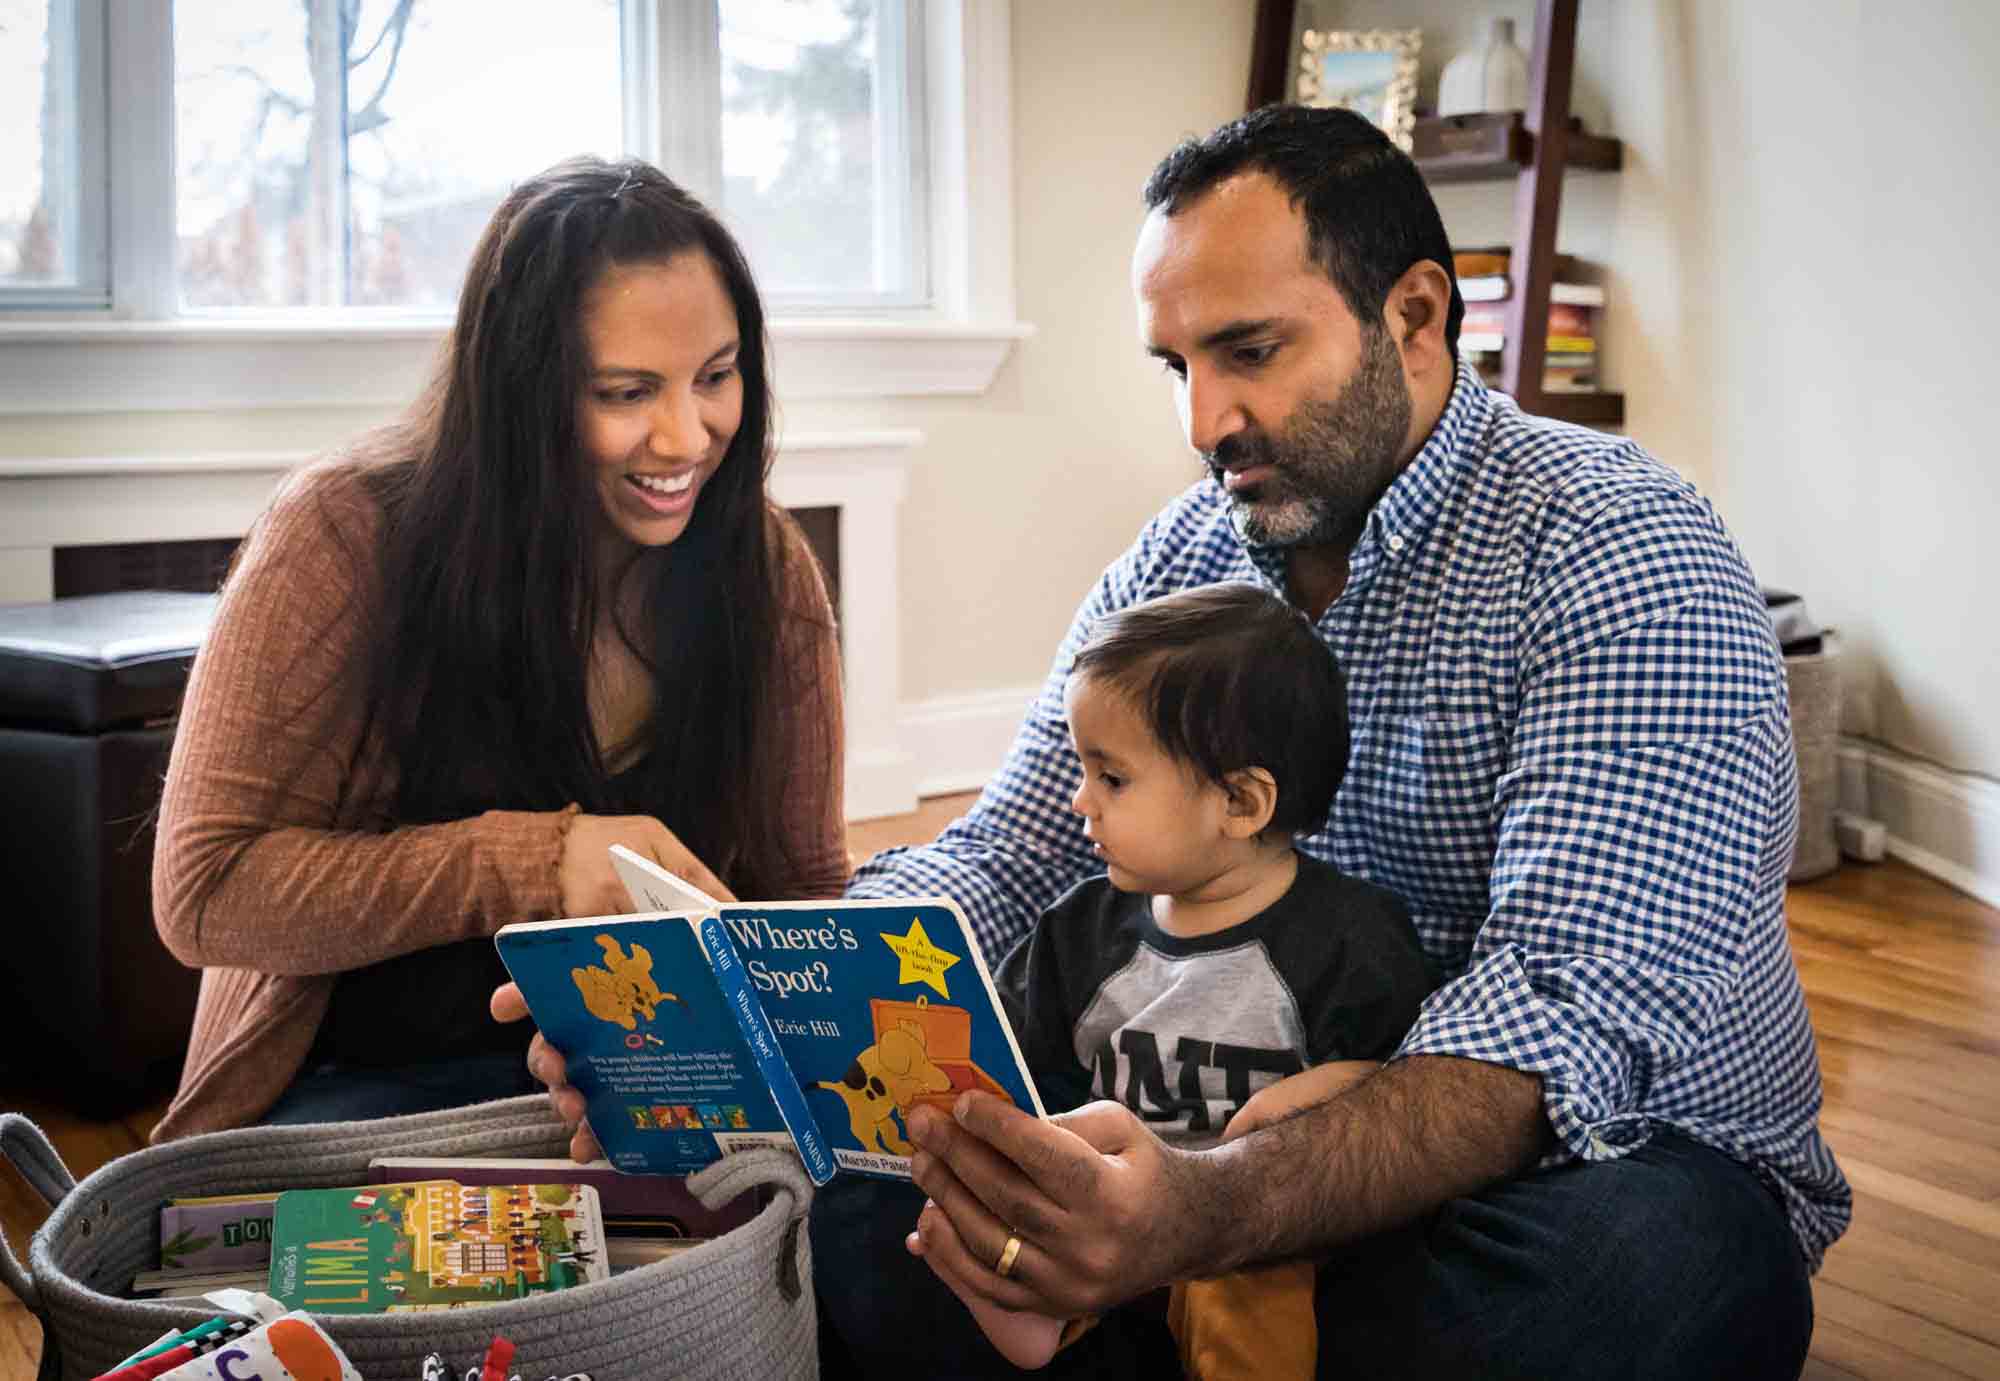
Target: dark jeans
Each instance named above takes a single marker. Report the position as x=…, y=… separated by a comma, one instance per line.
x=335, y=1093
x=1673, y=1262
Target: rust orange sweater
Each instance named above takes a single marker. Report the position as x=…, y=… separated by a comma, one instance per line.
x=264, y=875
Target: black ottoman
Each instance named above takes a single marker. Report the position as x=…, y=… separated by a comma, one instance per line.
x=93, y=1010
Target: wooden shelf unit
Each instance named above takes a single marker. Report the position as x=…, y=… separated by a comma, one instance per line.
x=1534, y=148
x=1537, y=207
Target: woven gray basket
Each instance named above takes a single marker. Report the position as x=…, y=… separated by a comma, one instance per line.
x=740, y=1306
x=1813, y=683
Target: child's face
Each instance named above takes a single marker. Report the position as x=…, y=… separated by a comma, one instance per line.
x=1156, y=824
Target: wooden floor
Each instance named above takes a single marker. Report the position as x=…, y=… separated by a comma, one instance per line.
x=1903, y=977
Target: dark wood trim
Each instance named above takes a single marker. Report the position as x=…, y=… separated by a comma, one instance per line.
x=1270, y=53
x=1596, y=409
x=1538, y=203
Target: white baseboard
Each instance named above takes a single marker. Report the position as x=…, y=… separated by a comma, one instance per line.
x=959, y=741
x=1940, y=822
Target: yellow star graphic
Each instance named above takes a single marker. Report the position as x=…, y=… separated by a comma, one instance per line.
x=922, y=961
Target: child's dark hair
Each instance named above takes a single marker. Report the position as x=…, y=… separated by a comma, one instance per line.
x=1229, y=677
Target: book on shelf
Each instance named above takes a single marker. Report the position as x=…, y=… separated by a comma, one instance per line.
x=1567, y=321
x=1498, y=288
x=434, y=1244
x=1487, y=261
x=697, y=1031
x=1562, y=372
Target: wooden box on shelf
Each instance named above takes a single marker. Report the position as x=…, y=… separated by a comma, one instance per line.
x=1470, y=148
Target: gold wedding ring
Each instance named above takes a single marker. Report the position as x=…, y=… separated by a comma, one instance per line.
x=1009, y=1254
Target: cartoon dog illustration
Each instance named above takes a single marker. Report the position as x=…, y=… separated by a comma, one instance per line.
x=884, y=1080
x=623, y=990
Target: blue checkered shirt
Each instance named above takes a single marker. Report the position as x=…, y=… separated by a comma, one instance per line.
x=1572, y=759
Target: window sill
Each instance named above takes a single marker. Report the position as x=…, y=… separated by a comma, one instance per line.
x=60, y=366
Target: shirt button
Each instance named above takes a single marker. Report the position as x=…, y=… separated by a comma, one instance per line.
x=1396, y=542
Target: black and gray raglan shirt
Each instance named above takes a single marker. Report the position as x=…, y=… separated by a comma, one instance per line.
x=1183, y=1031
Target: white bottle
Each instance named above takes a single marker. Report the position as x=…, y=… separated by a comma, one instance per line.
x=1493, y=79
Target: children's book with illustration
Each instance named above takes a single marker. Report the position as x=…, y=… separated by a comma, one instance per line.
x=437, y=1244
x=217, y=1232
x=632, y=1205
x=700, y=1028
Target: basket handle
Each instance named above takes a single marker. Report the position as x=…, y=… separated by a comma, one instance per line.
x=27, y=1148
x=778, y=1170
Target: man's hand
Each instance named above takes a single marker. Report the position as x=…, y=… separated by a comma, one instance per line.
x=545, y=1062
x=1085, y=1192
x=1105, y=1211
x=590, y=885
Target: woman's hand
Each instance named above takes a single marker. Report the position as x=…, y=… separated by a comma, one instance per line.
x=590, y=886
x=545, y=1062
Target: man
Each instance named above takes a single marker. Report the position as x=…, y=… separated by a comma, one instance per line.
x=1596, y=1152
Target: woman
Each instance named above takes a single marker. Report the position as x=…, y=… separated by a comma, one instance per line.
x=550, y=610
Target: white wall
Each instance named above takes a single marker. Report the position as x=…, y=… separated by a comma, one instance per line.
x=1022, y=496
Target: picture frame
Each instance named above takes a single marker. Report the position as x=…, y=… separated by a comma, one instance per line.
x=1372, y=72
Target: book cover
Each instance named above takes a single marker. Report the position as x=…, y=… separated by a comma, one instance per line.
x=878, y=1006
x=669, y=1081
x=657, y=1205
x=222, y=1232
x=438, y=1244
x=848, y=1014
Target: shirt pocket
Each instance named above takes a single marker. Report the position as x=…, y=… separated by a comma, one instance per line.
x=1419, y=798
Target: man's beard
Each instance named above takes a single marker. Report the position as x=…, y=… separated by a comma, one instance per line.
x=1330, y=463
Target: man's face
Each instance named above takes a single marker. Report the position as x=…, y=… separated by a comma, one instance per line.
x=1301, y=413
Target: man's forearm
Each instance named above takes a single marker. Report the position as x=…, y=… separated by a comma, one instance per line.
x=1424, y=1130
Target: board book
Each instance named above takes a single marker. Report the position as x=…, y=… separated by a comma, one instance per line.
x=436, y=1244
x=697, y=1029
x=641, y=1205
x=218, y=1232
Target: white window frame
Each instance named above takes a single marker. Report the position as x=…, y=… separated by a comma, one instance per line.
x=673, y=118
x=86, y=254
x=136, y=353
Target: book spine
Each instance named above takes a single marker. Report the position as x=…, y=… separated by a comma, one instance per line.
x=763, y=1042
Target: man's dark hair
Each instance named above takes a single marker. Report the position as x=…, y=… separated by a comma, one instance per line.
x=1228, y=677
x=1368, y=214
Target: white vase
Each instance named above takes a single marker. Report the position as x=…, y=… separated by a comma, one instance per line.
x=1494, y=78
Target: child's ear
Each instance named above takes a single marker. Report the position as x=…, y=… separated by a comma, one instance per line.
x=1252, y=794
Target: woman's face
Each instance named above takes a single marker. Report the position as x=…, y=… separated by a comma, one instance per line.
x=662, y=395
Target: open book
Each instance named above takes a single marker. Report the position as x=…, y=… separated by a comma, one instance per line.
x=700, y=1028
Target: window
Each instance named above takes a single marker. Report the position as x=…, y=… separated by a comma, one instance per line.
x=52, y=217
x=346, y=153
x=820, y=142
x=270, y=202
x=335, y=154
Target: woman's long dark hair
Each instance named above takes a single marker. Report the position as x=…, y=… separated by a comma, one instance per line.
x=478, y=681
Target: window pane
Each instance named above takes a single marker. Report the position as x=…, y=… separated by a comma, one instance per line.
x=359, y=171
x=40, y=177
x=816, y=161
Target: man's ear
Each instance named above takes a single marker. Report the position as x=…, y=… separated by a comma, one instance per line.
x=1252, y=797
x=1415, y=314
